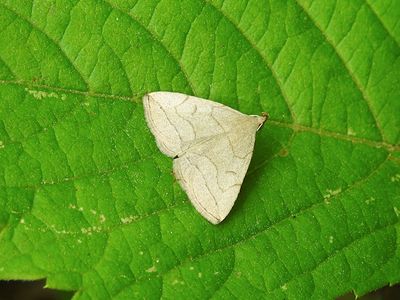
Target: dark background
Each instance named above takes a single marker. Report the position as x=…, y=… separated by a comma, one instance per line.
x=33, y=290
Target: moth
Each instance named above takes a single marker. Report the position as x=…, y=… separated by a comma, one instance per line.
x=211, y=145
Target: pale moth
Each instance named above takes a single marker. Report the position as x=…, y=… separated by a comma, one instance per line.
x=211, y=144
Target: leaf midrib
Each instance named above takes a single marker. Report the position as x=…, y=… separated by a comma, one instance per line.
x=294, y=126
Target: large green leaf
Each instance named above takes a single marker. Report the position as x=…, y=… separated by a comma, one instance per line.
x=89, y=202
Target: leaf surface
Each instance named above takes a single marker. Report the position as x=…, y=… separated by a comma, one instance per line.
x=90, y=203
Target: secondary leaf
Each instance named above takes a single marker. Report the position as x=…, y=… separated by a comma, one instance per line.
x=89, y=202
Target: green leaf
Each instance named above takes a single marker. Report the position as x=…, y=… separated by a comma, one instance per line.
x=89, y=202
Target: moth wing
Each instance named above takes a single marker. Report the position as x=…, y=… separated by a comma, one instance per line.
x=212, y=172
x=179, y=121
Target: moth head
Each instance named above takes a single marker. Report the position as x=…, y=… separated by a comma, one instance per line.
x=262, y=119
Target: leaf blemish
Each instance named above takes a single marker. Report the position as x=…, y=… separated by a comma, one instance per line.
x=396, y=211
x=73, y=206
x=102, y=218
x=44, y=182
x=370, y=200
x=42, y=94
x=283, y=152
x=176, y=281
x=90, y=230
x=331, y=193
x=128, y=219
x=151, y=269
x=395, y=178
x=351, y=132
